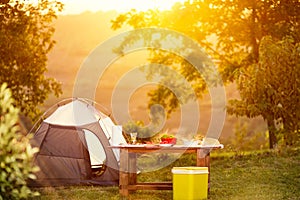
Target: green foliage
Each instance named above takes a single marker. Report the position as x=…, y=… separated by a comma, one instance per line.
x=273, y=92
x=16, y=154
x=236, y=34
x=180, y=81
x=25, y=40
x=144, y=133
x=245, y=140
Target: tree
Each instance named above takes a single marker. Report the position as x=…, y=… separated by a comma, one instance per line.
x=270, y=89
x=231, y=32
x=25, y=40
x=16, y=154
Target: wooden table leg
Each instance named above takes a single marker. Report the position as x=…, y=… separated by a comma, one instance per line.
x=124, y=173
x=203, y=160
x=132, y=169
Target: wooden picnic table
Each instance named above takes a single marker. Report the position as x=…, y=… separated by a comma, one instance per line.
x=128, y=168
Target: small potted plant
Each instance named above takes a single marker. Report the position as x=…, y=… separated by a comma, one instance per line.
x=168, y=139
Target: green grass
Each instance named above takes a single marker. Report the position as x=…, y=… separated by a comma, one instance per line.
x=267, y=175
x=264, y=175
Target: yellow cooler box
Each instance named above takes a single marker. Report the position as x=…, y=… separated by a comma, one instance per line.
x=190, y=183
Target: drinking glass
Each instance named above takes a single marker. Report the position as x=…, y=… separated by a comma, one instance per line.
x=133, y=137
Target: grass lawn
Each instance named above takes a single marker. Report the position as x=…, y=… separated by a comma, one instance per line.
x=268, y=175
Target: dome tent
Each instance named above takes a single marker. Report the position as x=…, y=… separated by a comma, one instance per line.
x=73, y=146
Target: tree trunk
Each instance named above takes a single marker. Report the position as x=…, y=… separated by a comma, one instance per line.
x=272, y=133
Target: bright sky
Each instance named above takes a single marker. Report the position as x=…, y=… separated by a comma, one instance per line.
x=78, y=6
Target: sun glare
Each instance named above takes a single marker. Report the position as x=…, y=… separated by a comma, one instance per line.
x=78, y=6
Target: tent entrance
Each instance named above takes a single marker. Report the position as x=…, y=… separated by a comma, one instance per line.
x=97, y=153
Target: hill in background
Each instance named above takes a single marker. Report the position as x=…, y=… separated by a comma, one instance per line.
x=78, y=35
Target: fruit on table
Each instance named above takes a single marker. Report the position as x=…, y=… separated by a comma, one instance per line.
x=168, y=139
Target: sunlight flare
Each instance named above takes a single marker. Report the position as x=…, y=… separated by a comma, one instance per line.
x=78, y=6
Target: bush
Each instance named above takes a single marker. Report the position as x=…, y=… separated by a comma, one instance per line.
x=16, y=154
x=245, y=140
x=144, y=134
